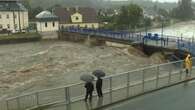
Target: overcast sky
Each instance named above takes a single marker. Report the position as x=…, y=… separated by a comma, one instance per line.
x=157, y=0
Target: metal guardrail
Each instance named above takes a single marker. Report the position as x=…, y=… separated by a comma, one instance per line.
x=155, y=40
x=133, y=82
x=127, y=36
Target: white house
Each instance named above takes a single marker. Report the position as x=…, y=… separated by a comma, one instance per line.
x=47, y=22
x=13, y=16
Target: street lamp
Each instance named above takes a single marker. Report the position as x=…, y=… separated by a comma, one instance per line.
x=145, y=23
x=162, y=31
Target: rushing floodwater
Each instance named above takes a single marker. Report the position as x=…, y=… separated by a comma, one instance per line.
x=186, y=29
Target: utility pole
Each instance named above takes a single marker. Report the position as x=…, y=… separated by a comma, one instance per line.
x=162, y=28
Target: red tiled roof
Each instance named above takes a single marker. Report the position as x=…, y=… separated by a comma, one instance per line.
x=64, y=14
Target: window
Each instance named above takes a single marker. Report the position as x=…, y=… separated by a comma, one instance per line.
x=45, y=24
x=85, y=26
x=93, y=26
x=62, y=27
x=0, y=16
x=77, y=18
x=1, y=26
x=8, y=26
x=15, y=16
x=7, y=16
x=53, y=24
x=16, y=26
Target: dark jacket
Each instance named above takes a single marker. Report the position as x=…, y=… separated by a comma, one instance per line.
x=99, y=83
x=89, y=87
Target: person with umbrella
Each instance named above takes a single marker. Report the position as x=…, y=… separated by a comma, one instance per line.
x=88, y=85
x=99, y=87
x=99, y=74
x=89, y=90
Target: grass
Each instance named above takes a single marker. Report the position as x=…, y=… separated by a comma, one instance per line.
x=20, y=36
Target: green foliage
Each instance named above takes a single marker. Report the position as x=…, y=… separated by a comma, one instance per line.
x=32, y=11
x=26, y=3
x=109, y=26
x=148, y=22
x=98, y=3
x=163, y=12
x=130, y=16
x=184, y=11
x=53, y=7
x=65, y=3
x=108, y=19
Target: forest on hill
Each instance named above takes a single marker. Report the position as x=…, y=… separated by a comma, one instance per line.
x=97, y=3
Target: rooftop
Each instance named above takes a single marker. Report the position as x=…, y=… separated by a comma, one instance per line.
x=64, y=14
x=46, y=15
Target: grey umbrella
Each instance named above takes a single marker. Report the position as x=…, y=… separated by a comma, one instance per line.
x=87, y=78
x=99, y=73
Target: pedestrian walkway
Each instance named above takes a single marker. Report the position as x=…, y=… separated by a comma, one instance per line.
x=166, y=96
x=180, y=97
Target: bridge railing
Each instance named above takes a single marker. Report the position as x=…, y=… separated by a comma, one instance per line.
x=127, y=36
x=121, y=35
x=181, y=43
x=127, y=84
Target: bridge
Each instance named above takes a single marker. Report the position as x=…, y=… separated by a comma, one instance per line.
x=116, y=88
x=125, y=37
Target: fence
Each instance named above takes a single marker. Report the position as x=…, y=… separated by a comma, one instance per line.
x=115, y=88
x=186, y=44
x=119, y=35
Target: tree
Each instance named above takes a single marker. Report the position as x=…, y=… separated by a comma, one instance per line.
x=148, y=22
x=163, y=12
x=33, y=12
x=26, y=3
x=122, y=19
x=130, y=16
x=184, y=10
x=53, y=7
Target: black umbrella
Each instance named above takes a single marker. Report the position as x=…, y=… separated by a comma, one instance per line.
x=99, y=73
x=87, y=78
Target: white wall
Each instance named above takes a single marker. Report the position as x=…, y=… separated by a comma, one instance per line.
x=42, y=28
x=23, y=21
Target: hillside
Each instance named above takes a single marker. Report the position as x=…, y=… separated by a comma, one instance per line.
x=48, y=3
x=98, y=3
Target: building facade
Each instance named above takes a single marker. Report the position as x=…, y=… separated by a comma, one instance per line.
x=47, y=22
x=13, y=16
x=84, y=17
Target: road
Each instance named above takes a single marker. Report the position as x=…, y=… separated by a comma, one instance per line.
x=180, y=97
